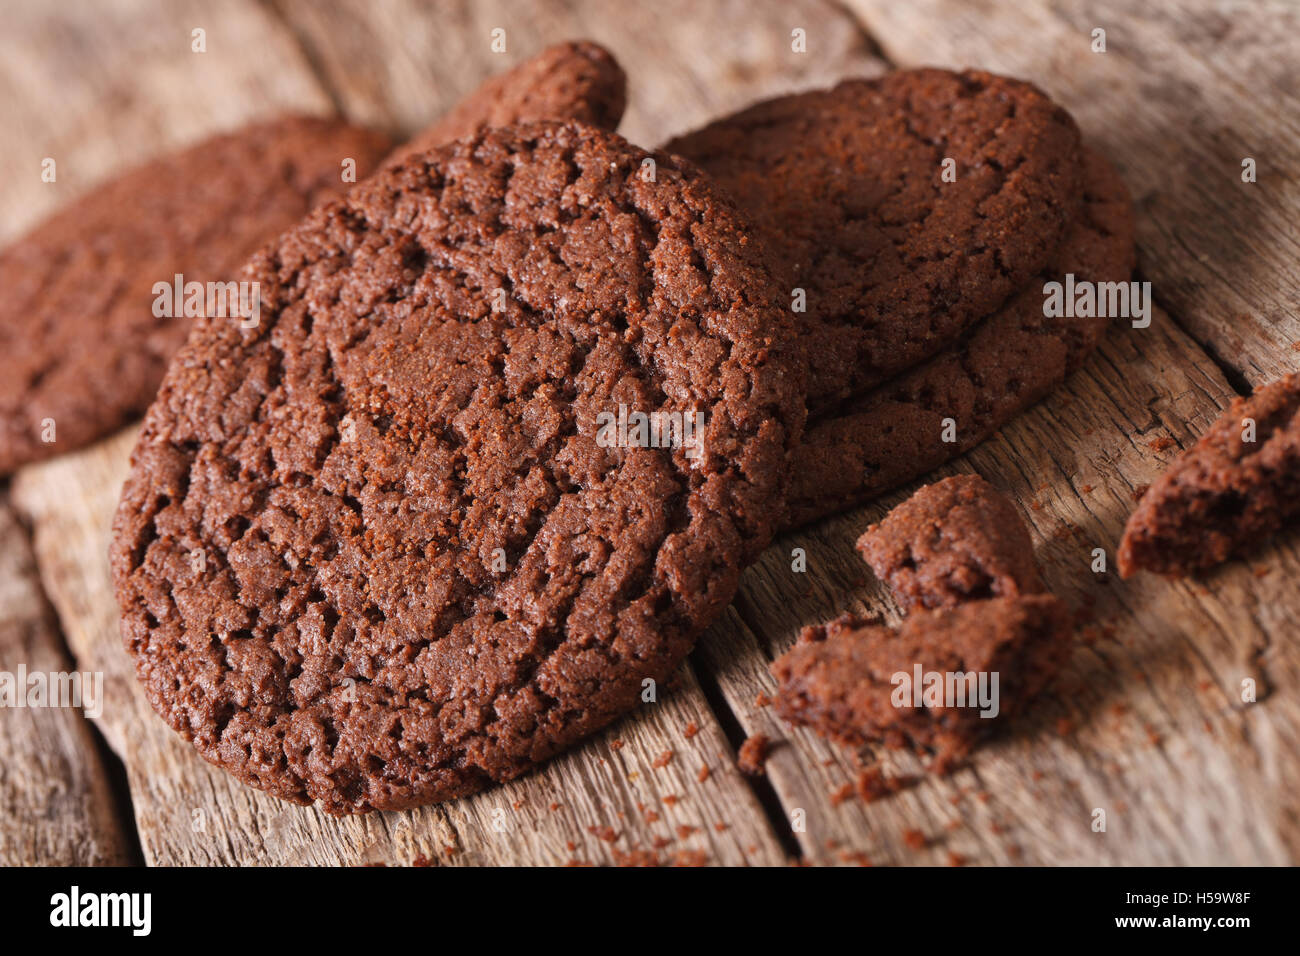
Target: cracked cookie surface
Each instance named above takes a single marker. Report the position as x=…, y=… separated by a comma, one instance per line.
x=79, y=341
x=845, y=188
x=373, y=552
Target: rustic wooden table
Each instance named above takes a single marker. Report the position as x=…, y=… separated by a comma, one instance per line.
x=1149, y=724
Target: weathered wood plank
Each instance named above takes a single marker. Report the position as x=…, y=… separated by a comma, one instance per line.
x=1180, y=98
x=1148, y=722
x=400, y=63
x=55, y=796
x=99, y=87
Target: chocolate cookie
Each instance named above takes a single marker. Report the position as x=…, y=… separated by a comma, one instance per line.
x=841, y=680
x=578, y=80
x=1225, y=495
x=847, y=189
x=82, y=344
x=1002, y=366
x=403, y=538
x=954, y=541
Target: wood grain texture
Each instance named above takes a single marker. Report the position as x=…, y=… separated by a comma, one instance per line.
x=98, y=87
x=55, y=798
x=402, y=63
x=1184, y=92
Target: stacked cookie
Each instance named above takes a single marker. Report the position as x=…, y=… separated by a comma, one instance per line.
x=518, y=409
x=916, y=218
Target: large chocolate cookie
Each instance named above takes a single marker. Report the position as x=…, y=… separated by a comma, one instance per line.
x=1001, y=367
x=82, y=349
x=387, y=548
x=1227, y=494
x=578, y=80
x=846, y=188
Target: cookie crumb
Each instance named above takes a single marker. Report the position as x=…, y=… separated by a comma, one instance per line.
x=1163, y=443
x=753, y=754
x=872, y=784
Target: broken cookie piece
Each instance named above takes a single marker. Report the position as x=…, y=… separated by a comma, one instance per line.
x=938, y=683
x=953, y=541
x=1230, y=491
